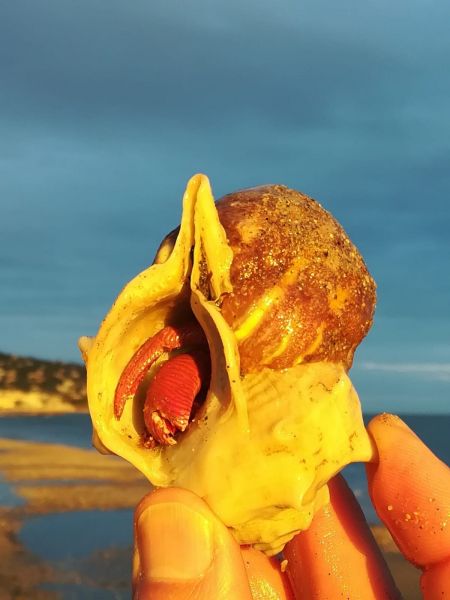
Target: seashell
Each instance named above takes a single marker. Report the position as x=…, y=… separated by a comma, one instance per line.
x=283, y=298
x=301, y=291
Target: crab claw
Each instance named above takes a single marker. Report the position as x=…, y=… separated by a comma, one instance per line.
x=171, y=395
x=167, y=339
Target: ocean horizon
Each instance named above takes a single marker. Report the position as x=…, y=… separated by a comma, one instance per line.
x=76, y=430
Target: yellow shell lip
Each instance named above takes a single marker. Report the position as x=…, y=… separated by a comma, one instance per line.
x=262, y=470
x=171, y=291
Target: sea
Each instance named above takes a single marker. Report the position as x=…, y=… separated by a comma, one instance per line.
x=109, y=533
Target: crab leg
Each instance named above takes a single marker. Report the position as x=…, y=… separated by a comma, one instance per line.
x=169, y=338
x=171, y=394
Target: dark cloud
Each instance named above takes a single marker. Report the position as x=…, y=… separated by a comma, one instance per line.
x=91, y=62
x=106, y=109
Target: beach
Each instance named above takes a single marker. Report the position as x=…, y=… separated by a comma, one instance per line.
x=53, y=479
x=50, y=479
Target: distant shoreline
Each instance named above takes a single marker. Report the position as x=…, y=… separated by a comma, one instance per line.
x=33, y=386
x=19, y=402
x=50, y=412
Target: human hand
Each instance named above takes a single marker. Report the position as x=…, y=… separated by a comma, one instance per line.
x=183, y=551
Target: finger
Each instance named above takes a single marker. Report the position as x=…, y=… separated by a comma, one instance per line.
x=184, y=551
x=410, y=489
x=337, y=557
x=435, y=582
x=267, y=582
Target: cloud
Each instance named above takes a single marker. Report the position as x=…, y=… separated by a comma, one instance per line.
x=433, y=371
x=77, y=64
x=106, y=108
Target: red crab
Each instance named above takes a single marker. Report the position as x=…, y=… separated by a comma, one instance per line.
x=173, y=390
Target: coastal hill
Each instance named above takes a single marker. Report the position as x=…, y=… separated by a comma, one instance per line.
x=34, y=385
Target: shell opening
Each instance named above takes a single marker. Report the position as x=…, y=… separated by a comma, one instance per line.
x=169, y=376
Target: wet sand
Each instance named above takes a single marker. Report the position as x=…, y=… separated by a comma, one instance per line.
x=51, y=479
x=54, y=478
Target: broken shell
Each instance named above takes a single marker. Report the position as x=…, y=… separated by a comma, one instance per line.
x=266, y=440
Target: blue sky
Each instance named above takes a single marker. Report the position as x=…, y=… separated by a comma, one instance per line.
x=107, y=108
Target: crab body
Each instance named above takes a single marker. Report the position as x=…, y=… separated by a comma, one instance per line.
x=172, y=391
x=171, y=395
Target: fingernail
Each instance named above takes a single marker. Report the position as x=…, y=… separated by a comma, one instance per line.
x=174, y=542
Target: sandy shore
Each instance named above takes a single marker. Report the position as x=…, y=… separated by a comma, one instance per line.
x=52, y=479
x=19, y=402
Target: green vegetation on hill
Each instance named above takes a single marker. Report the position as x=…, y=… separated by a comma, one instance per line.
x=22, y=374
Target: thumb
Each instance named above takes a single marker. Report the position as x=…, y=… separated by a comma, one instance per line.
x=182, y=550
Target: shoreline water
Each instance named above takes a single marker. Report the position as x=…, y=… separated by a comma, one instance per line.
x=50, y=479
x=75, y=429
x=56, y=479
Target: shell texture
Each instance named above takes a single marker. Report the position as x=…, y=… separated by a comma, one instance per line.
x=280, y=416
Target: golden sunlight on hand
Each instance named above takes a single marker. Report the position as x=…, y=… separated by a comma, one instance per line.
x=182, y=551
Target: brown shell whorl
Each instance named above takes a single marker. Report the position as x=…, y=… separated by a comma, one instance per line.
x=301, y=290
